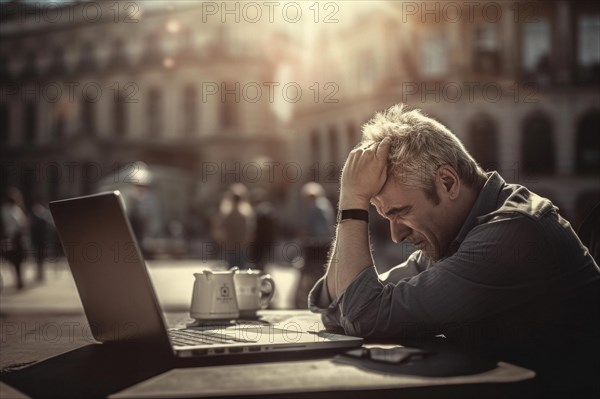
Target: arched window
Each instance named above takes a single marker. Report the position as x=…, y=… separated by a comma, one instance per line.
x=154, y=112
x=4, y=123
x=30, y=122
x=482, y=141
x=587, y=157
x=120, y=115
x=190, y=109
x=537, y=145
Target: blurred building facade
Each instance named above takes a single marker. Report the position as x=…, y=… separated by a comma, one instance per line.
x=94, y=94
x=518, y=82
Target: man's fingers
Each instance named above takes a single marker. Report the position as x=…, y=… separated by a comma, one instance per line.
x=383, y=148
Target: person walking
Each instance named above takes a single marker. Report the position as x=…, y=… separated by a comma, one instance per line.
x=14, y=227
x=235, y=225
x=317, y=233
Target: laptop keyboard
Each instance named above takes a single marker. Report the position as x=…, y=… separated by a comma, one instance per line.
x=189, y=336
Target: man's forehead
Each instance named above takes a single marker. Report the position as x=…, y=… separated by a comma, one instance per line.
x=394, y=193
x=385, y=195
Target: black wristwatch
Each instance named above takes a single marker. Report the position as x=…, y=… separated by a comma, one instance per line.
x=352, y=214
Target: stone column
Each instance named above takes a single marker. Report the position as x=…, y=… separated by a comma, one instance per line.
x=509, y=141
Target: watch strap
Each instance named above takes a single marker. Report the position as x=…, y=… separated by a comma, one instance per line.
x=353, y=214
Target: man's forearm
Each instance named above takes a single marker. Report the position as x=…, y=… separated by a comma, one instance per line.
x=351, y=254
x=363, y=176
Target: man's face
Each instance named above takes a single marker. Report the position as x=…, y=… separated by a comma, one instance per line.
x=415, y=218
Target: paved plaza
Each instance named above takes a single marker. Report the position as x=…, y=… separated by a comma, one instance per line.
x=172, y=279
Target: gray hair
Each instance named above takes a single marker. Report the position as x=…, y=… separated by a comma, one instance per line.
x=419, y=146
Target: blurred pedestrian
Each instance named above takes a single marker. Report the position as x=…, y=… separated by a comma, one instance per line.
x=145, y=217
x=317, y=233
x=14, y=228
x=266, y=228
x=235, y=225
x=40, y=230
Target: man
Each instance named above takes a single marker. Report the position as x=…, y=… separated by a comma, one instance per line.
x=316, y=235
x=497, y=269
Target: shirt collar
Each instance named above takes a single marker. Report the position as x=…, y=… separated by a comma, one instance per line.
x=485, y=203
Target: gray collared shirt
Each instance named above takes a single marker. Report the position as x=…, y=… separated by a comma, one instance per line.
x=512, y=275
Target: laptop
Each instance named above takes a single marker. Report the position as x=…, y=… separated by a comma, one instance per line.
x=120, y=302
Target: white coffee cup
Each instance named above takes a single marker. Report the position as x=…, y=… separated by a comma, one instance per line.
x=214, y=296
x=254, y=290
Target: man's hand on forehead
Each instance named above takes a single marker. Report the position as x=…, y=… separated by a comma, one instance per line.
x=364, y=174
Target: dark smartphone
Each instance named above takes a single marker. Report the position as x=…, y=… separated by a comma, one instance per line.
x=395, y=355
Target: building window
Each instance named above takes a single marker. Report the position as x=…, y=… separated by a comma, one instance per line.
x=588, y=48
x=186, y=50
x=486, y=58
x=88, y=117
x=483, y=142
x=30, y=68
x=229, y=102
x=58, y=65
x=154, y=112
x=536, y=50
x=118, y=57
x=152, y=52
x=87, y=61
x=435, y=54
x=538, y=147
x=190, y=109
x=30, y=122
x=120, y=113
x=4, y=124
x=587, y=155
x=58, y=128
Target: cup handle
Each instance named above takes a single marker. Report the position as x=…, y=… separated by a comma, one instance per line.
x=267, y=290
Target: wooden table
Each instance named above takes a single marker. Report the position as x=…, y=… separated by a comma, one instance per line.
x=43, y=356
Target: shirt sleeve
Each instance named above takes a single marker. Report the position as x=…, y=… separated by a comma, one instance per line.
x=498, y=266
x=415, y=264
x=320, y=301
